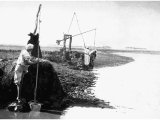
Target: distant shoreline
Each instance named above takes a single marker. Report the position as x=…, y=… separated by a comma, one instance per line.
x=101, y=49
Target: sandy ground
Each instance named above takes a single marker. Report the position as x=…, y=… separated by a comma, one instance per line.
x=133, y=89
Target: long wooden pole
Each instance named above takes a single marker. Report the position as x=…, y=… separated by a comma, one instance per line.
x=37, y=18
x=78, y=34
x=35, y=90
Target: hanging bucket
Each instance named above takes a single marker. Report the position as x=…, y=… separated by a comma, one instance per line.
x=35, y=106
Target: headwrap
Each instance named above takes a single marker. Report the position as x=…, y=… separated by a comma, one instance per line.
x=29, y=46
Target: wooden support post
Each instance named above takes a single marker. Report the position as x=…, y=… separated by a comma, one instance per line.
x=64, y=48
x=70, y=42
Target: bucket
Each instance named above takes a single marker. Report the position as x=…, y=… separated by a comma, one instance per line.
x=35, y=106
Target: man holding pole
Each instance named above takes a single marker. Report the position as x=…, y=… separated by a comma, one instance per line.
x=24, y=60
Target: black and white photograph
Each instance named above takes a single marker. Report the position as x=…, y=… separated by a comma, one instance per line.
x=79, y=59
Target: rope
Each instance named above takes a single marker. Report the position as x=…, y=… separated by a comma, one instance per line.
x=35, y=91
x=94, y=38
x=80, y=31
x=71, y=22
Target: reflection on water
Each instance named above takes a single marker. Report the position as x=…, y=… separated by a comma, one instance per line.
x=5, y=114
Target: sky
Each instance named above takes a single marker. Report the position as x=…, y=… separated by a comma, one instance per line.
x=118, y=24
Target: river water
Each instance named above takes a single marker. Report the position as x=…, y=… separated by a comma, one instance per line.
x=133, y=89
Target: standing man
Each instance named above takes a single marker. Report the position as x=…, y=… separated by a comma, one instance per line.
x=24, y=60
x=86, y=56
x=89, y=57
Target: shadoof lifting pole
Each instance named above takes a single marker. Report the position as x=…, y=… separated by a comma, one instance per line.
x=35, y=106
x=67, y=36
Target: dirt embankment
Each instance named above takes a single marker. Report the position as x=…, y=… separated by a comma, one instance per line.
x=76, y=83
